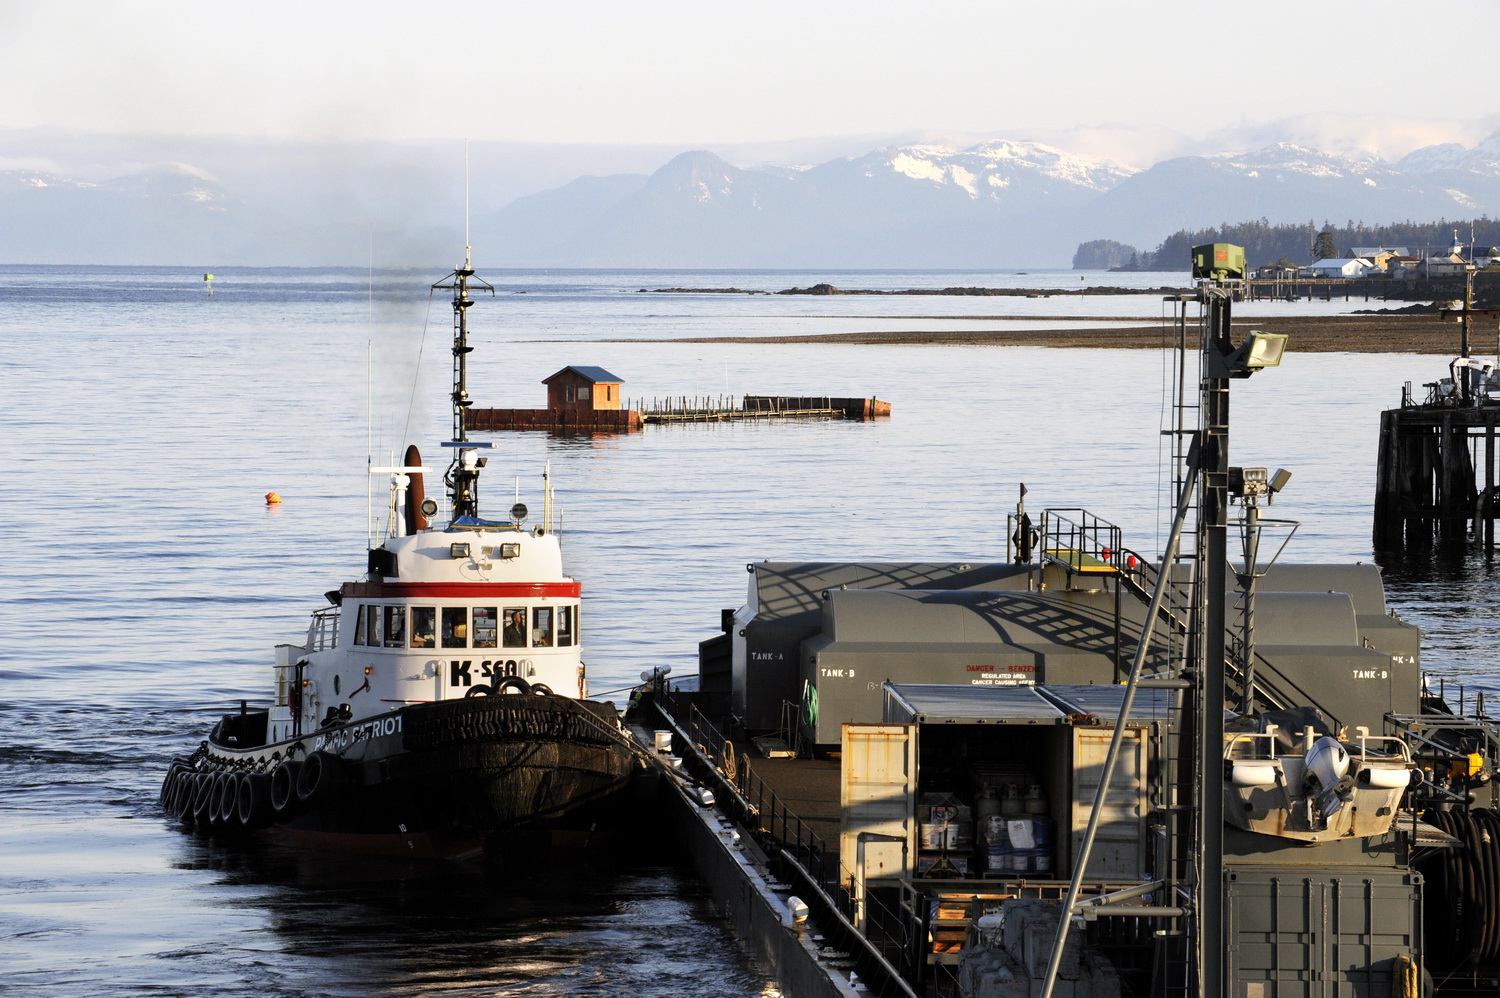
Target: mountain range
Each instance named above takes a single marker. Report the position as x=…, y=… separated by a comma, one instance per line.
x=993, y=204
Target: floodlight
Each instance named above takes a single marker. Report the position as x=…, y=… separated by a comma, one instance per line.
x=1263, y=349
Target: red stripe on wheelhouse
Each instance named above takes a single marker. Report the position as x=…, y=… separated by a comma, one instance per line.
x=459, y=590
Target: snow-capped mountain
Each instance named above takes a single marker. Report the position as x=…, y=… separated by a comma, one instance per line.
x=50, y=218
x=1287, y=183
x=901, y=206
x=1483, y=159
x=934, y=203
x=992, y=168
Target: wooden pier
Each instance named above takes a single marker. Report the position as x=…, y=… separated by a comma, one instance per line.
x=1319, y=288
x=1435, y=477
x=724, y=408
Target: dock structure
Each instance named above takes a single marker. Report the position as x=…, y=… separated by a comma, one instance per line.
x=580, y=399
x=583, y=399
x=1435, y=476
x=1292, y=288
x=564, y=421
x=724, y=408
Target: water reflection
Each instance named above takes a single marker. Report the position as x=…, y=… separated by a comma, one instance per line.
x=1451, y=595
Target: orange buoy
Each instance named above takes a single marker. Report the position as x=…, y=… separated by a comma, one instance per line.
x=273, y=498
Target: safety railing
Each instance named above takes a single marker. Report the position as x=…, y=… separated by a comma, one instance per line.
x=888, y=957
x=323, y=632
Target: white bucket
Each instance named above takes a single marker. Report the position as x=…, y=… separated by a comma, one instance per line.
x=663, y=741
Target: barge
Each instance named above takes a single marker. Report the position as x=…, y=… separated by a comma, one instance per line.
x=1082, y=770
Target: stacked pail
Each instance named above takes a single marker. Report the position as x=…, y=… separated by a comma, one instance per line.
x=1018, y=844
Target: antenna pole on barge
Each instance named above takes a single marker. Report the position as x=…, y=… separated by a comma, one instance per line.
x=1220, y=269
x=1213, y=535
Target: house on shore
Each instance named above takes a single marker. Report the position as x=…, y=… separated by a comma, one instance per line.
x=1346, y=267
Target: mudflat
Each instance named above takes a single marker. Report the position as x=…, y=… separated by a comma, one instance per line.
x=1376, y=333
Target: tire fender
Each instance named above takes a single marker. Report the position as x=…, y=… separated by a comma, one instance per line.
x=321, y=777
x=283, y=797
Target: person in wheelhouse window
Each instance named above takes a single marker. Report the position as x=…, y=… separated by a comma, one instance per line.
x=515, y=627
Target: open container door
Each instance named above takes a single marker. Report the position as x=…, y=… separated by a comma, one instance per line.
x=877, y=794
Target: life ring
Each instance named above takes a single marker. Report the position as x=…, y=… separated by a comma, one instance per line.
x=512, y=683
x=322, y=775
x=252, y=800
x=541, y=689
x=478, y=691
x=284, y=803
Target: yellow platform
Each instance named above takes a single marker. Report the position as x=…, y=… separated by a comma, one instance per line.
x=1081, y=561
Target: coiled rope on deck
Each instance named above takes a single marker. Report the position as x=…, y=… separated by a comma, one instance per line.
x=1463, y=891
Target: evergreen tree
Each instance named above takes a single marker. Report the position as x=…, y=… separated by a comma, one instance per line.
x=1324, y=247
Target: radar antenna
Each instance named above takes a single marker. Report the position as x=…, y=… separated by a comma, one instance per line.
x=462, y=476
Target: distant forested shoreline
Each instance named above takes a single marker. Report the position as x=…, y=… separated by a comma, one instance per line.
x=1293, y=243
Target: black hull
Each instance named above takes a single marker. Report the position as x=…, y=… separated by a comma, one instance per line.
x=438, y=779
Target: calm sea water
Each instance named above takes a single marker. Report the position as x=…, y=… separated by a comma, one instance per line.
x=146, y=580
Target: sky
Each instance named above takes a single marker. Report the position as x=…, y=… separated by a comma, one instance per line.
x=698, y=73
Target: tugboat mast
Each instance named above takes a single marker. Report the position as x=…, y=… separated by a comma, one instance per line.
x=462, y=476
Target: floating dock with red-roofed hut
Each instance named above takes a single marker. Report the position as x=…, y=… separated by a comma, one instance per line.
x=588, y=399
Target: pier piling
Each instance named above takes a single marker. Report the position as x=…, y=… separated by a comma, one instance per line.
x=1427, y=476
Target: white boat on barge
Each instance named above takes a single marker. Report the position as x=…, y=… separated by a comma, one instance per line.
x=1081, y=771
x=439, y=704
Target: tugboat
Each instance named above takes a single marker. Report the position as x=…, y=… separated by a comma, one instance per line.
x=439, y=705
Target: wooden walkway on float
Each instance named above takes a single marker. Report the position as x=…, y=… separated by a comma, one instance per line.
x=725, y=409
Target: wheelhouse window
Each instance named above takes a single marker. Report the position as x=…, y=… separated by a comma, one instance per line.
x=395, y=627
x=359, y=625
x=455, y=627
x=541, y=627
x=485, y=627
x=565, y=632
x=372, y=625
x=515, y=627
x=423, y=626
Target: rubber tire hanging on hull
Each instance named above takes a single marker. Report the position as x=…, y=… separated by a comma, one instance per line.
x=284, y=802
x=203, y=793
x=223, y=804
x=169, y=784
x=322, y=776
x=181, y=802
x=252, y=800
